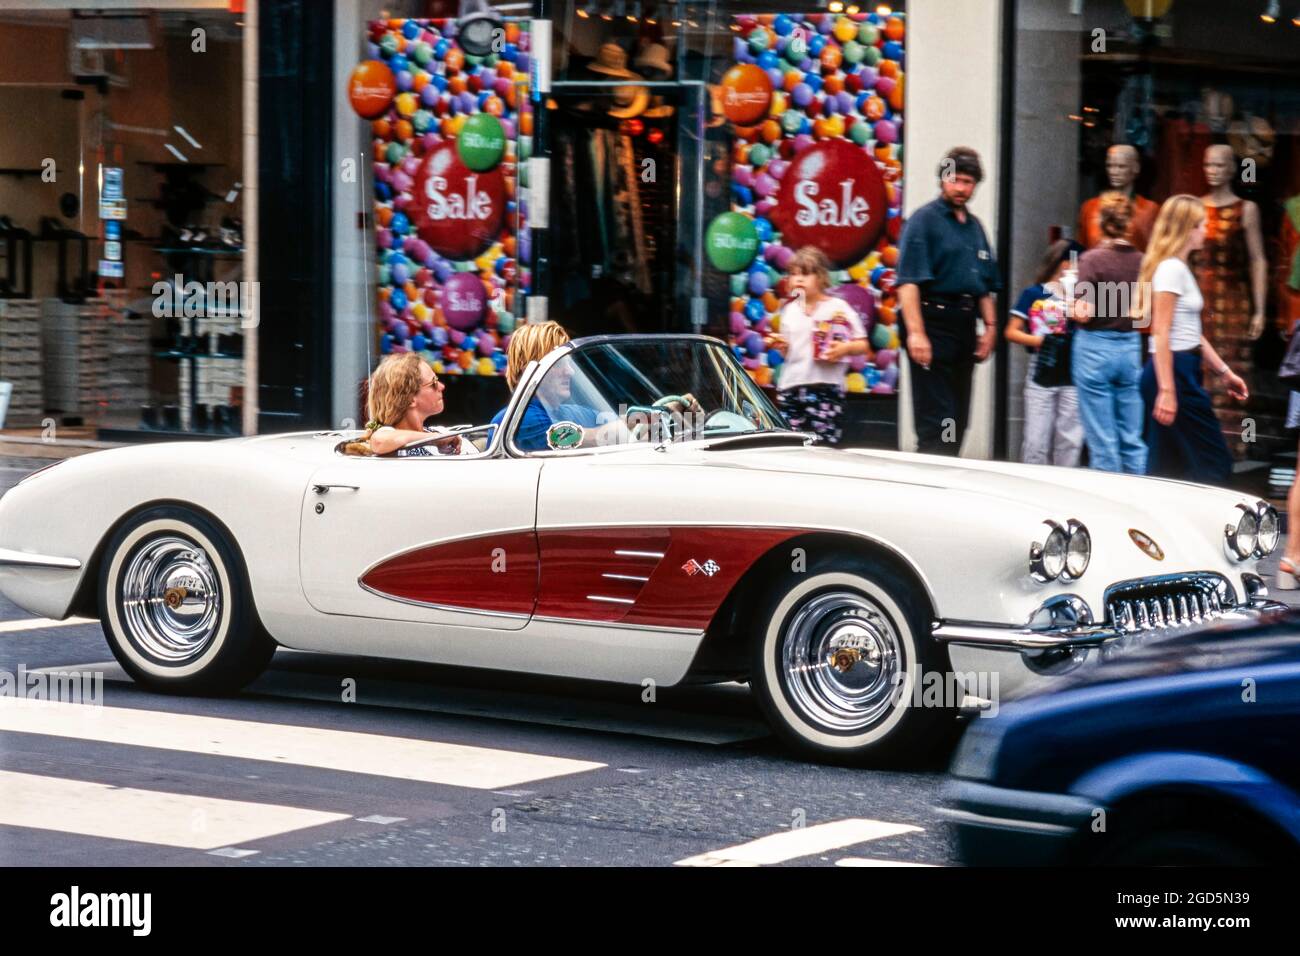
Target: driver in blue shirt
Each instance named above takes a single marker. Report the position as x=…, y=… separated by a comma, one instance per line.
x=531, y=343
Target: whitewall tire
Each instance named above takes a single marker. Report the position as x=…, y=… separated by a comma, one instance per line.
x=838, y=652
x=176, y=607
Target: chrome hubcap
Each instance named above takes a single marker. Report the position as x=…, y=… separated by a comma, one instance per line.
x=171, y=599
x=841, y=661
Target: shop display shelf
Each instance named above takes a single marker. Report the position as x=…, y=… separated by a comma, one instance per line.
x=20, y=358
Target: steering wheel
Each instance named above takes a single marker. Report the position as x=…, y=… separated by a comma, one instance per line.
x=662, y=408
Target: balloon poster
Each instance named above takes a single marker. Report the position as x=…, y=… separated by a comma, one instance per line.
x=815, y=102
x=451, y=126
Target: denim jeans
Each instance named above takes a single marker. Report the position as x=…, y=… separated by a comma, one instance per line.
x=1106, y=370
x=1053, y=435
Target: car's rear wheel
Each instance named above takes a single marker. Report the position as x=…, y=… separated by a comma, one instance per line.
x=176, y=606
x=839, y=654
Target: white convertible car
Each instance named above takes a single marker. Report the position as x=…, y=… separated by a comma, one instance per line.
x=642, y=514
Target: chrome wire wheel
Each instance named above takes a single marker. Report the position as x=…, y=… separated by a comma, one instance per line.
x=841, y=661
x=171, y=599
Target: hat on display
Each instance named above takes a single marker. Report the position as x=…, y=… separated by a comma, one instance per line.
x=612, y=61
x=630, y=101
x=1253, y=138
x=477, y=26
x=659, y=109
x=652, y=59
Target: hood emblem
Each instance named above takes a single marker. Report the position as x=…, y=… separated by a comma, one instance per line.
x=1146, y=544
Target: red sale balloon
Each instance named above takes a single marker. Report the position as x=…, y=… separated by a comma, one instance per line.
x=832, y=197
x=455, y=210
x=371, y=88
x=746, y=94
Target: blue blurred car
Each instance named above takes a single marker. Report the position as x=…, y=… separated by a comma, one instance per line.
x=1184, y=750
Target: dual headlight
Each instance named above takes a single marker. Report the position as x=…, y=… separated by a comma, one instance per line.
x=1063, y=553
x=1252, y=532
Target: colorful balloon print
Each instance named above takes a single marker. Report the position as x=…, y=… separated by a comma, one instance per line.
x=449, y=134
x=822, y=166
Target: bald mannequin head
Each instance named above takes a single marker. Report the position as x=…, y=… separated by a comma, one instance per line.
x=1219, y=165
x=1122, y=165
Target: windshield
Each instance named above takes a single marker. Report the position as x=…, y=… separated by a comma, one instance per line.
x=663, y=389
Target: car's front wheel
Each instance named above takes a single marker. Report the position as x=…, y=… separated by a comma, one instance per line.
x=176, y=606
x=840, y=651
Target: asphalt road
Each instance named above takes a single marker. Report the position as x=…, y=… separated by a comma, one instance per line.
x=425, y=766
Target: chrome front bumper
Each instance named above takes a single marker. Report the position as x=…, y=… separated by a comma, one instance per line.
x=1143, y=606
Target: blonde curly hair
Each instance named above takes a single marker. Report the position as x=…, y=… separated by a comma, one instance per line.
x=393, y=385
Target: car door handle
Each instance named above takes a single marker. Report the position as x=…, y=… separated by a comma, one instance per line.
x=324, y=489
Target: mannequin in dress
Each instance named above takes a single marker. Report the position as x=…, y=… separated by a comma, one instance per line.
x=1122, y=167
x=1233, y=275
x=1288, y=268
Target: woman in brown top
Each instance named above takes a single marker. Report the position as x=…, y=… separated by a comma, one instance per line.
x=1106, y=353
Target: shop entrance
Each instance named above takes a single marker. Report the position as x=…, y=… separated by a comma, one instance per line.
x=617, y=157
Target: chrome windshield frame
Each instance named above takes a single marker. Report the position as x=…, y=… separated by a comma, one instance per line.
x=536, y=371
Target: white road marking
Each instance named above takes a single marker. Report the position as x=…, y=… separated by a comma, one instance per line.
x=864, y=861
x=382, y=820
x=144, y=816
x=404, y=758
x=235, y=853
x=803, y=841
x=41, y=623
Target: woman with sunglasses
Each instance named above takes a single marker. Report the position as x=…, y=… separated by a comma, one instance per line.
x=404, y=392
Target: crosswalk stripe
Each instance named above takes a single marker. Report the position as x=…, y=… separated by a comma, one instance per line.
x=801, y=841
x=404, y=758
x=866, y=861
x=145, y=816
x=41, y=623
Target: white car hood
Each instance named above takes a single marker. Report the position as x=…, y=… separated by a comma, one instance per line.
x=1058, y=491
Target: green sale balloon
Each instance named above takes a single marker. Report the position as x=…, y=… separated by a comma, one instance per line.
x=482, y=142
x=731, y=241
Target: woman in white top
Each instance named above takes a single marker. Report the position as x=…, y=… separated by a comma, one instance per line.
x=1183, y=435
x=818, y=334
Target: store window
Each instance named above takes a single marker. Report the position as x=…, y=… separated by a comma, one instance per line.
x=1182, y=96
x=676, y=126
x=123, y=300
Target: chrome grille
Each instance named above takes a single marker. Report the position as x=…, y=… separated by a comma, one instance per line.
x=1175, y=600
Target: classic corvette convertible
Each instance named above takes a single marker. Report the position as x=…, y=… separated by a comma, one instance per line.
x=669, y=528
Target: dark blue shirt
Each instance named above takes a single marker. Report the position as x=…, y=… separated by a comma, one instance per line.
x=1029, y=308
x=944, y=256
x=531, y=434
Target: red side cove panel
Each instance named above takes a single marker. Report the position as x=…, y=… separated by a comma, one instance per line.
x=658, y=577
x=592, y=574
x=495, y=572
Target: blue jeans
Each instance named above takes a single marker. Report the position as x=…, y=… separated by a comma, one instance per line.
x=1107, y=368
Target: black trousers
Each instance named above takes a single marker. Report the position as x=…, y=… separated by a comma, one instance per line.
x=941, y=393
x=1192, y=448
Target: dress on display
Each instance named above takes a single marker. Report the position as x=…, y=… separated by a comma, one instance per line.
x=1223, y=274
x=1288, y=268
